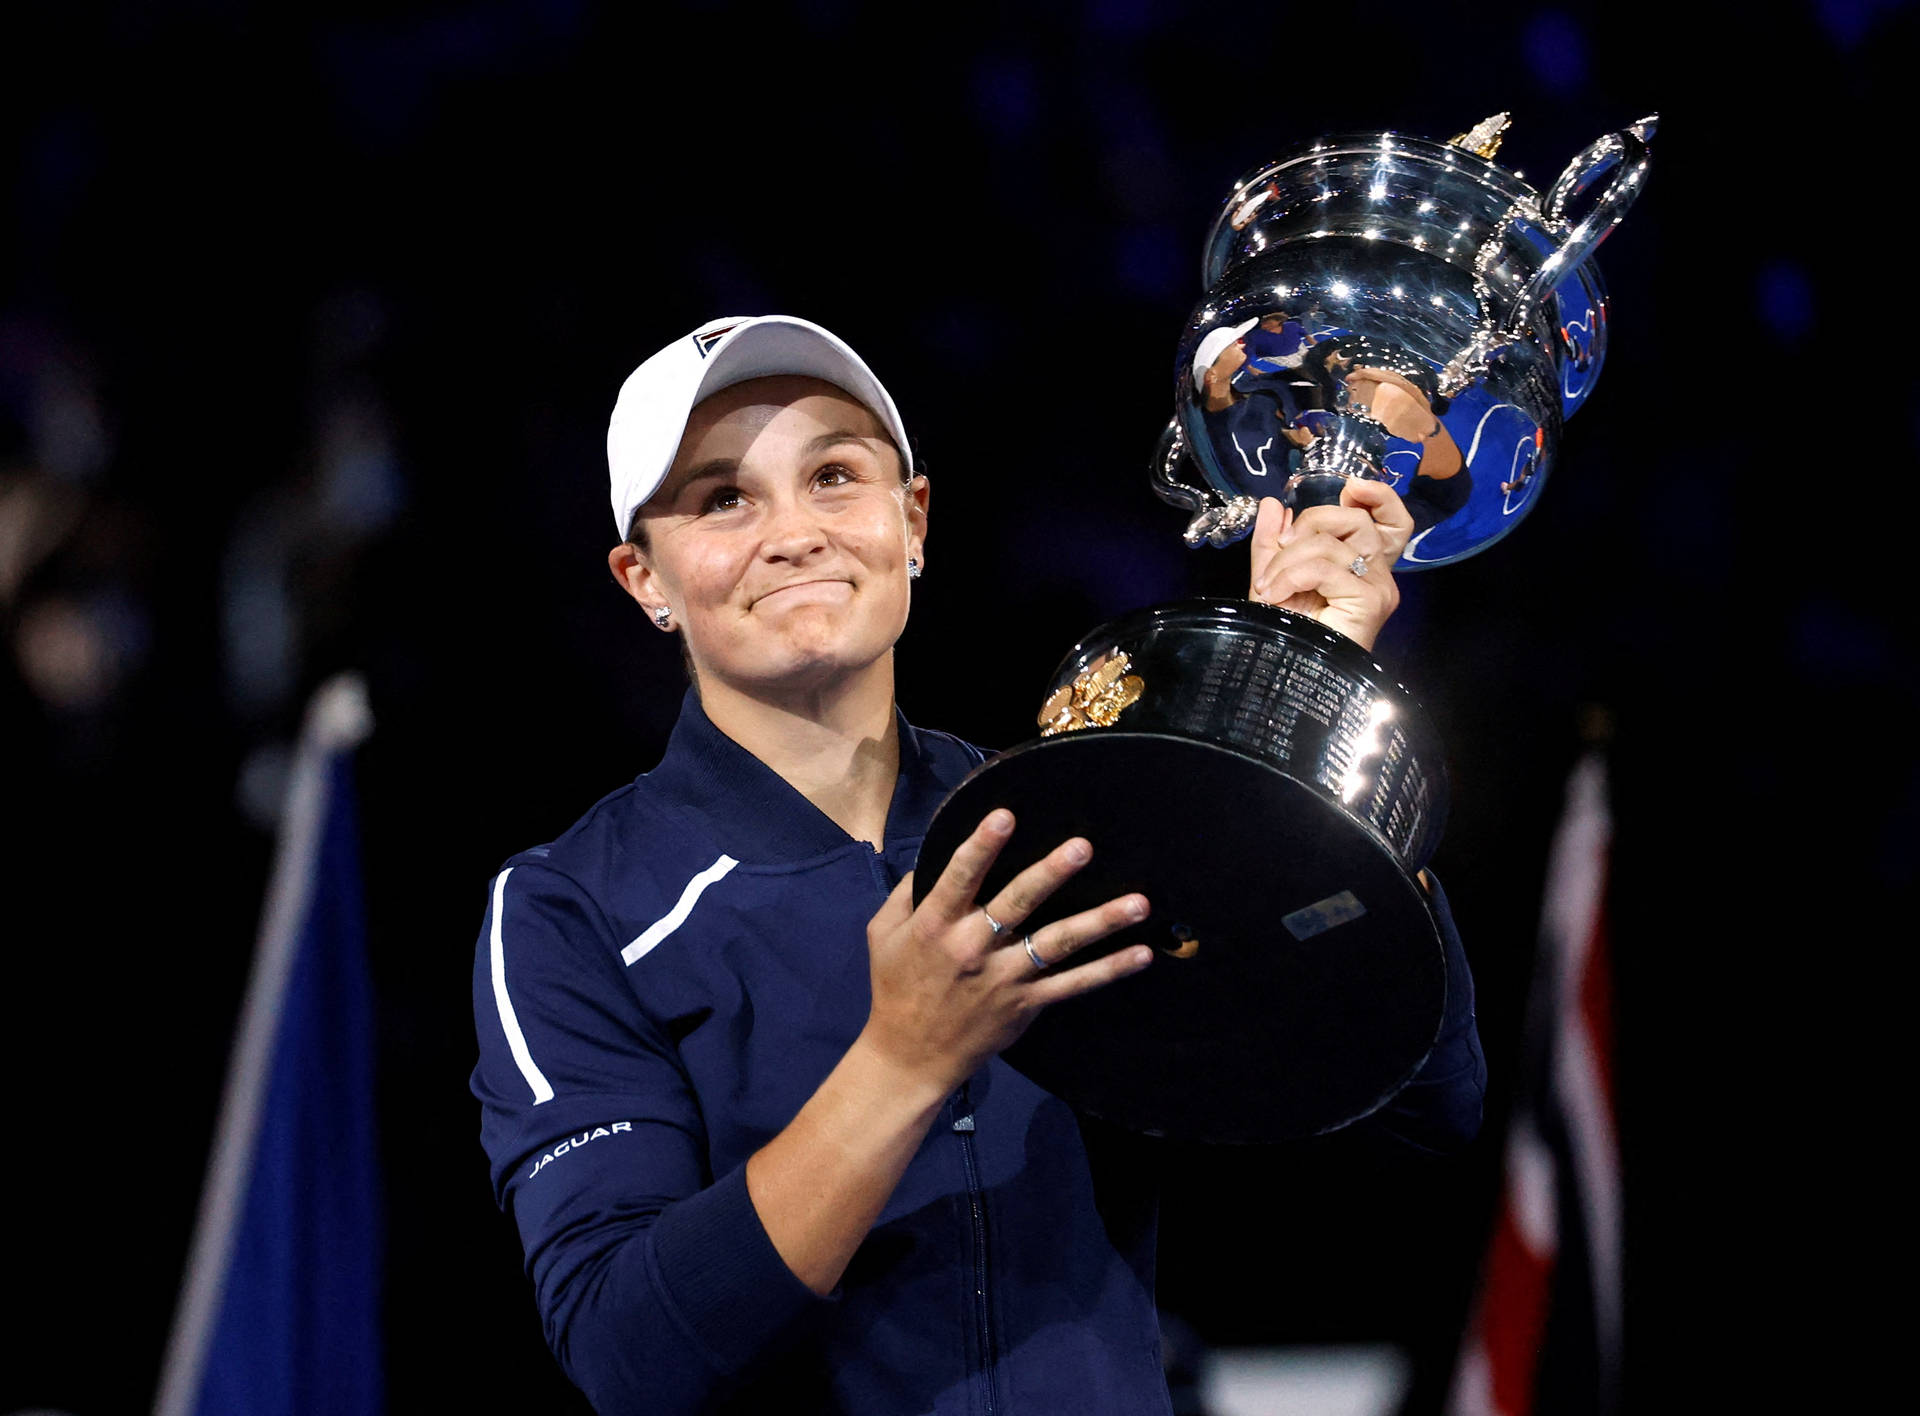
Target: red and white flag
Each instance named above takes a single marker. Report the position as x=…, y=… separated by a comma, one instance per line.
x=1561, y=1147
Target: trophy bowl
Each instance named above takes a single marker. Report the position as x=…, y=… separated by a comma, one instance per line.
x=1379, y=308
x=1400, y=310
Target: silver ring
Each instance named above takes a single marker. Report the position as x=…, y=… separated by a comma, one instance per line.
x=1033, y=953
x=992, y=923
x=1359, y=565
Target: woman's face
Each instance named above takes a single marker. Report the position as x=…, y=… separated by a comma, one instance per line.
x=780, y=537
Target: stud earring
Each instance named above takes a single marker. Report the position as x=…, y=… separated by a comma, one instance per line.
x=913, y=568
x=663, y=617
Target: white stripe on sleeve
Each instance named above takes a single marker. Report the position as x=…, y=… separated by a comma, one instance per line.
x=677, y=916
x=509, y=1023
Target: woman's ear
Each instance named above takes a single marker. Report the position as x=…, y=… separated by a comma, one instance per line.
x=633, y=575
x=917, y=494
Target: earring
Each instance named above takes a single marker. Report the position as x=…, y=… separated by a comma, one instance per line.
x=913, y=568
x=663, y=617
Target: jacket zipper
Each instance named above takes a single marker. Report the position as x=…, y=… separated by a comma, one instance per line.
x=976, y=1206
x=976, y=1203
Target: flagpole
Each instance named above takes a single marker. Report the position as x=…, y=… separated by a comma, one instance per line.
x=338, y=719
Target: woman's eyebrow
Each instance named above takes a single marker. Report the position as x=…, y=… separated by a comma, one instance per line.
x=715, y=467
x=836, y=437
x=706, y=471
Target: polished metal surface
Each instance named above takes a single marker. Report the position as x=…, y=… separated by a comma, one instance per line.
x=1399, y=310
x=1280, y=687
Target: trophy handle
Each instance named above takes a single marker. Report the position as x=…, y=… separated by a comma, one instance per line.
x=1169, y=461
x=1625, y=150
x=1217, y=520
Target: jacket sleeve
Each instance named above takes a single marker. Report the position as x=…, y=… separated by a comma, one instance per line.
x=1439, y=1110
x=655, y=1280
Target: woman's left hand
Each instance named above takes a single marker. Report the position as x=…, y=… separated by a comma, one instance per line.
x=1334, y=563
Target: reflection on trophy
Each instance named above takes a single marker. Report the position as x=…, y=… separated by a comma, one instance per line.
x=1379, y=308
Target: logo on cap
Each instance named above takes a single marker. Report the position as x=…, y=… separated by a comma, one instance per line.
x=707, y=338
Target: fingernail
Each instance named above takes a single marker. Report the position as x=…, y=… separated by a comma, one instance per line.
x=1137, y=907
x=1000, y=820
x=1142, y=956
x=1079, y=852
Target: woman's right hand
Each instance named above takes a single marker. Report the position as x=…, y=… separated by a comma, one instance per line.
x=1308, y=563
x=949, y=992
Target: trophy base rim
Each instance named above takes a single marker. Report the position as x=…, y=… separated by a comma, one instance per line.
x=1300, y=980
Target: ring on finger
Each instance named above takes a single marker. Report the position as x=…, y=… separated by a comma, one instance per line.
x=1033, y=953
x=992, y=923
x=1358, y=565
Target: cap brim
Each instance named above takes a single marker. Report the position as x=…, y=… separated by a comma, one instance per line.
x=651, y=415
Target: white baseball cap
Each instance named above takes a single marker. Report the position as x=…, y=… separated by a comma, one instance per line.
x=650, y=416
x=1211, y=347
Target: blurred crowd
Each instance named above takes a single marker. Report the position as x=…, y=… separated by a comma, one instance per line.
x=82, y=546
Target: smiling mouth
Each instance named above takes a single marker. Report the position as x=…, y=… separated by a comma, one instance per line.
x=801, y=585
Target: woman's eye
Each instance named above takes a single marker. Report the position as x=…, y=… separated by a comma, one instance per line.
x=721, y=499
x=834, y=474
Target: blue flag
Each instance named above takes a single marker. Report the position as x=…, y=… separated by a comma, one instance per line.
x=280, y=1311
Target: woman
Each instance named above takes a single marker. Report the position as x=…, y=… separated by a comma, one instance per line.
x=743, y=1100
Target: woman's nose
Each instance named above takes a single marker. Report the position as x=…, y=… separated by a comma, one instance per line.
x=793, y=530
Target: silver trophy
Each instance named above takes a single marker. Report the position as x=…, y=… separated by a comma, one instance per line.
x=1467, y=303
x=1378, y=307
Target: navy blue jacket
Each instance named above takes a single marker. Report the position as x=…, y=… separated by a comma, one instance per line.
x=660, y=990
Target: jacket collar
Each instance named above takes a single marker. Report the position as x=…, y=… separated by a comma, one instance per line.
x=708, y=773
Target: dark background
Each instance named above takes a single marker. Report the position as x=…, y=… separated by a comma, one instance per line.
x=310, y=320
